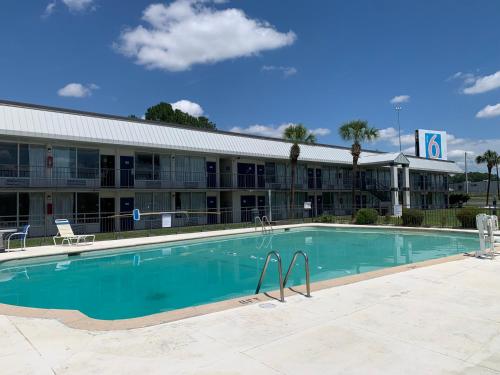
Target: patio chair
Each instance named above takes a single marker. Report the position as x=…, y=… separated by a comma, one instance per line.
x=22, y=236
x=65, y=232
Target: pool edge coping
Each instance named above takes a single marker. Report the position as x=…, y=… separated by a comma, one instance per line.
x=77, y=320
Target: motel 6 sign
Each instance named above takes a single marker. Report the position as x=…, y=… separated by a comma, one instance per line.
x=431, y=144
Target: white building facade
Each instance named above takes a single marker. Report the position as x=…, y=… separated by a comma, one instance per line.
x=92, y=168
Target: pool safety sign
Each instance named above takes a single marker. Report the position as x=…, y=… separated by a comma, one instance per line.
x=431, y=144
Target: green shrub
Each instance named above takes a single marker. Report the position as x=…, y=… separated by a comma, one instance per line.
x=412, y=217
x=366, y=216
x=467, y=216
x=458, y=199
x=326, y=218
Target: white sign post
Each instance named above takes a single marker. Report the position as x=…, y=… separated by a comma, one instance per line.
x=397, y=210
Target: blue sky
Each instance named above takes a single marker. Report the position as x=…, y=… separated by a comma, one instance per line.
x=255, y=65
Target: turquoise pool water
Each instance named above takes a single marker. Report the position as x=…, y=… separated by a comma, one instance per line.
x=141, y=281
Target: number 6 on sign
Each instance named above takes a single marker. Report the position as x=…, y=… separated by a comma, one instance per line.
x=434, y=147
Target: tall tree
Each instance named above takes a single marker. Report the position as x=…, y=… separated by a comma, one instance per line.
x=164, y=112
x=490, y=158
x=498, y=179
x=357, y=132
x=297, y=134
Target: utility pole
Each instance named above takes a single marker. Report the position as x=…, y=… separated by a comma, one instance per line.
x=466, y=176
x=398, y=108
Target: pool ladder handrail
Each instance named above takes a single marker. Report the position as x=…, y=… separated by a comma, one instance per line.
x=282, y=282
x=256, y=221
x=306, y=266
x=264, y=222
x=280, y=273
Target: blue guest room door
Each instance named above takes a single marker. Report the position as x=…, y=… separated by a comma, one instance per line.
x=212, y=209
x=126, y=171
x=126, y=207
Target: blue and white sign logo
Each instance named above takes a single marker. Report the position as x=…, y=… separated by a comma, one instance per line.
x=432, y=144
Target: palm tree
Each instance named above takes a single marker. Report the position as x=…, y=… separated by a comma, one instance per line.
x=297, y=134
x=498, y=180
x=490, y=158
x=356, y=131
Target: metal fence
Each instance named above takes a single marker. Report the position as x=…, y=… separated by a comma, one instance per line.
x=108, y=225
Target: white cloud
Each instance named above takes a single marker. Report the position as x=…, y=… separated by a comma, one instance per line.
x=188, y=32
x=390, y=135
x=286, y=70
x=400, y=99
x=77, y=90
x=194, y=109
x=482, y=84
x=489, y=111
x=49, y=9
x=320, y=132
x=467, y=78
x=274, y=131
x=74, y=6
x=79, y=5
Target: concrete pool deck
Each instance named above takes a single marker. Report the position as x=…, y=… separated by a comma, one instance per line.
x=440, y=319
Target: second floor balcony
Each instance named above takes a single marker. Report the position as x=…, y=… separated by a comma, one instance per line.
x=12, y=176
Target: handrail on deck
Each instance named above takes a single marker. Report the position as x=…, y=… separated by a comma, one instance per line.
x=306, y=265
x=280, y=273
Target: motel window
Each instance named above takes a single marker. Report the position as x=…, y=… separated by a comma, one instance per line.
x=270, y=172
x=8, y=209
x=301, y=176
x=24, y=160
x=152, y=166
x=64, y=162
x=76, y=163
x=21, y=160
x=8, y=159
x=63, y=204
x=18, y=209
x=190, y=168
x=87, y=163
x=24, y=207
x=87, y=203
x=281, y=172
x=144, y=166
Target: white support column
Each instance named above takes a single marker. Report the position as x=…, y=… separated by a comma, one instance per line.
x=406, y=187
x=394, y=187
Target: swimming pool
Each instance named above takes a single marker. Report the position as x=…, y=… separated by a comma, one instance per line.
x=140, y=281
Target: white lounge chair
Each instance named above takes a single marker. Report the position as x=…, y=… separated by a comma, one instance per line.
x=65, y=232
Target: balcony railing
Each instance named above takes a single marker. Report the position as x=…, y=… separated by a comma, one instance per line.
x=95, y=178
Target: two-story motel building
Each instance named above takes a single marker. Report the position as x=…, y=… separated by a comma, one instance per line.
x=57, y=163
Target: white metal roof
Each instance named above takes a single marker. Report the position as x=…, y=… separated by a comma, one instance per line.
x=384, y=159
x=21, y=120
x=433, y=165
